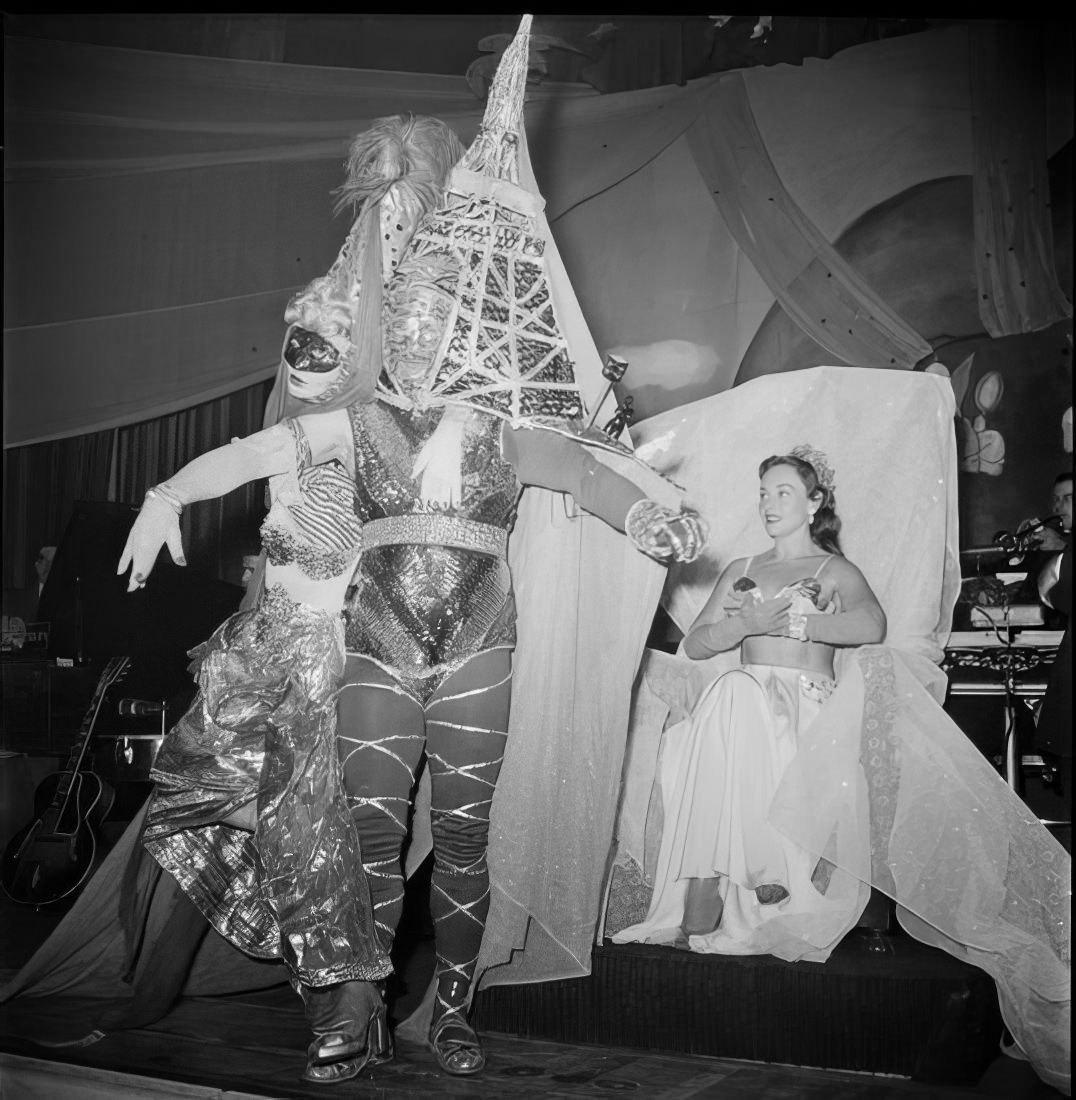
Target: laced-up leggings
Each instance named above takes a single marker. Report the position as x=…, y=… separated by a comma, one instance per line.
x=382, y=733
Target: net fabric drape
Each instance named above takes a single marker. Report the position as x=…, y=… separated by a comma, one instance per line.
x=1014, y=235
x=918, y=812
x=580, y=642
x=812, y=283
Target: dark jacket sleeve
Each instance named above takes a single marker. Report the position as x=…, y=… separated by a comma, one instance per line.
x=553, y=461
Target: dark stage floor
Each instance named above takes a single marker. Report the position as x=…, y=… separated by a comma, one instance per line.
x=252, y=1045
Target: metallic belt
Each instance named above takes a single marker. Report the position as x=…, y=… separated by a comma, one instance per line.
x=431, y=528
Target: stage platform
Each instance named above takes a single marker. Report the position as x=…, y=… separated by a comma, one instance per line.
x=653, y=1022
x=881, y=1004
x=252, y=1047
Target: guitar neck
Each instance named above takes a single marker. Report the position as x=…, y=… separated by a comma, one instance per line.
x=113, y=671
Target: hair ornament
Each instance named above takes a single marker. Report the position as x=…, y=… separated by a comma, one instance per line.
x=817, y=459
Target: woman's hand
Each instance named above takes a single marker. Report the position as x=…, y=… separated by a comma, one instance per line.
x=155, y=526
x=767, y=617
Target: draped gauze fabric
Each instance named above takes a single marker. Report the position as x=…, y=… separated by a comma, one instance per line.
x=1014, y=236
x=917, y=810
x=580, y=643
x=162, y=209
x=814, y=286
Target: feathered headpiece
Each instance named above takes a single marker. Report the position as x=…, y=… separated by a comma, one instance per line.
x=818, y=461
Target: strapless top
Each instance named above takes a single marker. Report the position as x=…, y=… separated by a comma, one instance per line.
x=804, y=592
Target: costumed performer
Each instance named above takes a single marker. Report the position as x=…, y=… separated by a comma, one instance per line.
x=748, y=886
x=133, y=943
x=478, y=397
x=884, y=785
x=248, y=813
x=476, y=400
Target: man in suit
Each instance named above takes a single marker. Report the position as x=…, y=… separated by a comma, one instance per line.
x=1053, y=731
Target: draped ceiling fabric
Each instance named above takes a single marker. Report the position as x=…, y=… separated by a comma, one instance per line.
x=815, y=287
x=161, y=209
x=1014, y=236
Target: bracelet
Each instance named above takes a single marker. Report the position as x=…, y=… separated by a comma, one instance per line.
x=166, y=496
x=797, y=626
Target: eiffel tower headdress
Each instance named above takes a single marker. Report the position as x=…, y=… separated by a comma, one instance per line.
x=501, y=348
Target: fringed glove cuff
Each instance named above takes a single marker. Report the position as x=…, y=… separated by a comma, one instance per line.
x=663, y=534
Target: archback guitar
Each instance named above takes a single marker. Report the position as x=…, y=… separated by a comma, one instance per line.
x=53, y=856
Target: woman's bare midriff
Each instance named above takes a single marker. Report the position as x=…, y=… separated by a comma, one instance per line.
x=788, y=653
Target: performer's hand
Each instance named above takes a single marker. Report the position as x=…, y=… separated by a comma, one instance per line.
x=668, y=535
x=155, y=526
x=767, y=617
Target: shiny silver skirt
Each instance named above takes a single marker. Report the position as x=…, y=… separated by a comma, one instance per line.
x=262, y=731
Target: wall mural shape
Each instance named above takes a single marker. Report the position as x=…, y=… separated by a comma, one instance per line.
x=982, y=448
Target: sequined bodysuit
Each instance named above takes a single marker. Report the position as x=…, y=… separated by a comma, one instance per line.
x=433, y=585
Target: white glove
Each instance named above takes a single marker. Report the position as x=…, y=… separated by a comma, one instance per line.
x=156, y=525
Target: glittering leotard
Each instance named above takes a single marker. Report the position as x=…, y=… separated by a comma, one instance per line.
x=437, y=590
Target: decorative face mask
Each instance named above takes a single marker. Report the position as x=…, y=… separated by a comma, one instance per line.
x=317, y=368
x=420, y=312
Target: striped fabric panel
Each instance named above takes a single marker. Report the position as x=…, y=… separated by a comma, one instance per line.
x=326, y=518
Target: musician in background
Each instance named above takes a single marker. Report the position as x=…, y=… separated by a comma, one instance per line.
x=1053, y=729
x=44, y=563
x=1053, y=536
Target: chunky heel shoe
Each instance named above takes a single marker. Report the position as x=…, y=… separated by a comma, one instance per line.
x=457, y=1047
x=343, y=1018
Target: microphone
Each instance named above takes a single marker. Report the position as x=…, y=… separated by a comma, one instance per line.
x=139, y=708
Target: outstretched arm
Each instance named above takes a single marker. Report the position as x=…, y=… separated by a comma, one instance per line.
x=211, y=475
x=553, y=461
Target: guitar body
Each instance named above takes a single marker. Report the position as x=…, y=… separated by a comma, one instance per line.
x=53, y=856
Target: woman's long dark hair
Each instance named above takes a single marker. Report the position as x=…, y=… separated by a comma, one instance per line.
x=827, y=524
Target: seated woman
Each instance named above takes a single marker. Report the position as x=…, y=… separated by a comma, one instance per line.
x=883, y=784
x=750, y=886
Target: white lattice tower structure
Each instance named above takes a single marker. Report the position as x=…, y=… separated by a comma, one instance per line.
x=504, y=350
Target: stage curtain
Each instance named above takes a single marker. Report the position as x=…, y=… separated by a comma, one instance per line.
x=216, y=533
x=41, y=484
x=1014, y=243
x=43, y=481
x=814, y=286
